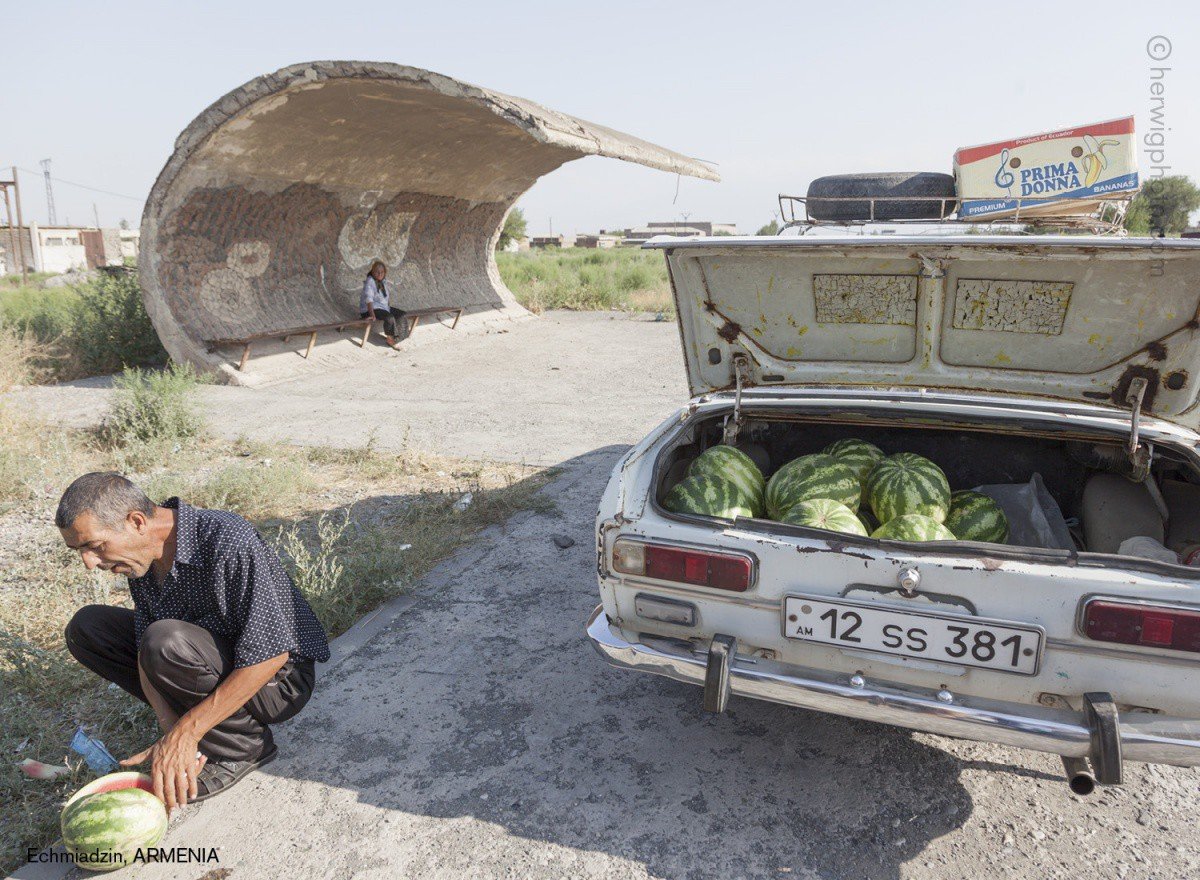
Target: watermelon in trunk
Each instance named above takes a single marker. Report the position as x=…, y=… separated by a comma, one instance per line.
x=726, y=462
x=104, y=824
x=826, y=478
x=913, y=527
x=825, y=513
x=859, y=454
x=906, y=483
x=976, y=517
x=710, y=496
x=796, y=467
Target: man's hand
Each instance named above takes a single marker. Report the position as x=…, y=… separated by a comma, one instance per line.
x=174, y=766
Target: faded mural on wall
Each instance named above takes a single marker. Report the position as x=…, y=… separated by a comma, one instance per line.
x=239, y=261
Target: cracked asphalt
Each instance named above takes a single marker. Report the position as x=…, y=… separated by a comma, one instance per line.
x=469, y=730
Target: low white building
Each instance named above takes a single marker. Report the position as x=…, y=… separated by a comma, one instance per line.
x=58, y=249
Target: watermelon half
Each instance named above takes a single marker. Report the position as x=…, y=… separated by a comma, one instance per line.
x=106, y=822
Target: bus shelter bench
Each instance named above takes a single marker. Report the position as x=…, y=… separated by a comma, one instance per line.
x=310, y=331
x=414, y=316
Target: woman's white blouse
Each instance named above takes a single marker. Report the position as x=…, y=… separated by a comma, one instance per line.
x=374, y=298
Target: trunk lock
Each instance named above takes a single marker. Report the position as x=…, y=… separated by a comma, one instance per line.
x=741, y=377
x=908, y=579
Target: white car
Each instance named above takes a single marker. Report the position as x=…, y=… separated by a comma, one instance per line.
x=999, y=358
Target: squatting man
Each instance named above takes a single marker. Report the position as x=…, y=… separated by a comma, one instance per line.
x=219, y=641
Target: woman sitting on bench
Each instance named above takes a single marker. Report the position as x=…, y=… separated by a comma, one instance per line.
x=376, y=301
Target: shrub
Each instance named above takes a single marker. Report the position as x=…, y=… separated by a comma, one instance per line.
x=110, y=329
x=153, y=413
x=97, y=327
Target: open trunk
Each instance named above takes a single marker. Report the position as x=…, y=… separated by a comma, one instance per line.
x=1088, y=478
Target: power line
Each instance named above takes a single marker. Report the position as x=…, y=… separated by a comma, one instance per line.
x=85, y=186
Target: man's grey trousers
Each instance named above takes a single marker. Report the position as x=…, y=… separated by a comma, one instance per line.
x=185, y=663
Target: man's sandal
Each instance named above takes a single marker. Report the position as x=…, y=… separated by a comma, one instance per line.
x=217, y=776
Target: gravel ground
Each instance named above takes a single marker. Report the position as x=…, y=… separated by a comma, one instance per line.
x=541, y=392
x=471, y=731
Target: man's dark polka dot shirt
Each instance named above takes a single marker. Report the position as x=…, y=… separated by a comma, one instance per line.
x=227, y=580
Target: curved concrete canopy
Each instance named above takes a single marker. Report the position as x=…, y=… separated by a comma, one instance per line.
x=280, y=194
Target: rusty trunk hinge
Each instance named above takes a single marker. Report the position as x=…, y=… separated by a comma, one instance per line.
x=1137, y=452
x=741, y=376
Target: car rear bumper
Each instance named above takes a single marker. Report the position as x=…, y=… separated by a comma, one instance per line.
x=1144, y=736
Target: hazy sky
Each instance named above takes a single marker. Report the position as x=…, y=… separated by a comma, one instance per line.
x=774, y=93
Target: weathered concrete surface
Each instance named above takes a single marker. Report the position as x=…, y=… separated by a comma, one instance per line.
x=280, y=195
x=477, y=735
x=541, y=392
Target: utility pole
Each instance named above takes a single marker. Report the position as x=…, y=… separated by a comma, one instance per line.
x=96, y=215
x=53, y=215
x=20, y=241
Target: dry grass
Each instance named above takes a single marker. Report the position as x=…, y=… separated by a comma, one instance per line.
x=355, y=527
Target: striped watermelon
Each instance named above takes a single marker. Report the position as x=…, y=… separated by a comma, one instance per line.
x=907, y=483
x=834, y=480
x=976, y=517
x=105, y=823
x=710, y=496
x=734, y=465
x=913, y=527
x=859, y=454
x=825, y=513
x=805, y=464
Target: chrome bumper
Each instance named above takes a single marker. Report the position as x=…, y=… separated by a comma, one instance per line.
x=1144, y=737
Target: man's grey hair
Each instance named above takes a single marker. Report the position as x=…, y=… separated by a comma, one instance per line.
x=107, y=495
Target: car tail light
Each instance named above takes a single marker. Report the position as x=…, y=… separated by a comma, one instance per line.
x=1153, y=626
x=684, y=565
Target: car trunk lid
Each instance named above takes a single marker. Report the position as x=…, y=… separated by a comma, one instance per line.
x=1082, y=319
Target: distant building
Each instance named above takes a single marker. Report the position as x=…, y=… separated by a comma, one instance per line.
x=706, y=227
x=635, y=237
x=58, y=249
x=545, y=241
x=601, y=241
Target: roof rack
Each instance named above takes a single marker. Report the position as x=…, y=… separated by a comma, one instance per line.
x=1108, y=219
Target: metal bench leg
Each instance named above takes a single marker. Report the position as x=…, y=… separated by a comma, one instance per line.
x=457, y=315
x=366, y=333
x=312, y=340
x=245, y=357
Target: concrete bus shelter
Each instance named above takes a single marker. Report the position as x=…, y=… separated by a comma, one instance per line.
x=278, y=197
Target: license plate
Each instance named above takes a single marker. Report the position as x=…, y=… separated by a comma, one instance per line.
x=963, y=641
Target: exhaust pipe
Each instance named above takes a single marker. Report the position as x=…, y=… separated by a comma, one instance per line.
x=1080, y=777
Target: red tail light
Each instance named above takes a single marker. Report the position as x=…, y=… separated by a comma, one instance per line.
x=701, y=568
x=1153, y=626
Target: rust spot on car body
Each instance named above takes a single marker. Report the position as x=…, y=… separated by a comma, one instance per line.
x=730, y=331
x=1157, y=351
x=1120, y=392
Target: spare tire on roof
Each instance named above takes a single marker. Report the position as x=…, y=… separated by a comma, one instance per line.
x=884, y=187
